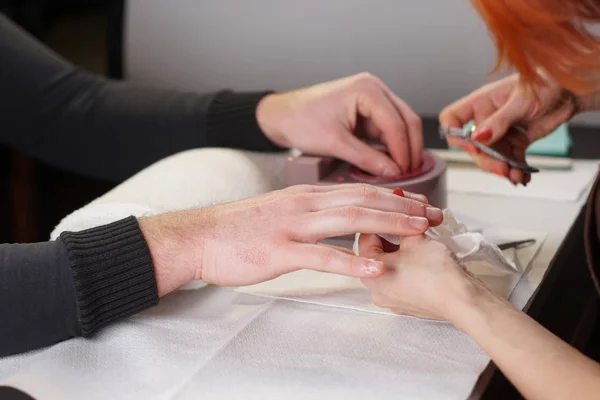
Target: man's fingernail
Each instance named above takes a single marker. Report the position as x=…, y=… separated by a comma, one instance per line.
x=434, y=213
x=391, y=171
x=398, y=192
x=418, y=222
x=482, y=136
x=373, y=267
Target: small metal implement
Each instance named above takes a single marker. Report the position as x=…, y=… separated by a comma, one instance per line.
x=519, y=244
x=465, y=135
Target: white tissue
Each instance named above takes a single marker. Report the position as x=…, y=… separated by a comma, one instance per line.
x=470, y=248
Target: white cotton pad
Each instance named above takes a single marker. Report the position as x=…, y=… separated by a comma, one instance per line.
x=471, y=248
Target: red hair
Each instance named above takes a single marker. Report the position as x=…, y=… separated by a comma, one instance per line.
x=547, y=36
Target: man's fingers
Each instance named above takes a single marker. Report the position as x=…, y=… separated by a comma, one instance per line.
x=414, y=129
x=367, y=158
x=353, y=186
x=372, y=197
x=376, y=106
x=343, y=221
x=322, y=258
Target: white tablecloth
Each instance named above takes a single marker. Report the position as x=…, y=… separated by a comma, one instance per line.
x=218, y=344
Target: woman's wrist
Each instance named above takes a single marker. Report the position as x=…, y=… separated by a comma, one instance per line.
x=582, y=103
x=472, y=304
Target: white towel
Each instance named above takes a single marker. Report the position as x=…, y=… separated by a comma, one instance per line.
x=190, y=179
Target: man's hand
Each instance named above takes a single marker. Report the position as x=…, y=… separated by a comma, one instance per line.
x=328, y=118
x=260, y=238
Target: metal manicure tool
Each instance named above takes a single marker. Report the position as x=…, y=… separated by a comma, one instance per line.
x=519, y=244
x=465, y=135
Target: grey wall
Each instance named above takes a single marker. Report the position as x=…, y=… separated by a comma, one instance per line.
x=430, y=52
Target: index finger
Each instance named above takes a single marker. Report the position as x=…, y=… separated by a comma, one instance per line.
x=345, y=186
x=370, y=246
x=457, y=114
x=414, y=128
x=377, y=107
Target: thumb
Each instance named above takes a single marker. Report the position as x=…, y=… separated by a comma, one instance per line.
x=367, y=157
x=370, y=245
x=493, y=128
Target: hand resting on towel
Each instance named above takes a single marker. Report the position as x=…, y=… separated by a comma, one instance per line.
x=262, y=237
x=424, y=279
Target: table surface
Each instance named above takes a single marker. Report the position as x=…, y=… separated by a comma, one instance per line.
x=566, y=297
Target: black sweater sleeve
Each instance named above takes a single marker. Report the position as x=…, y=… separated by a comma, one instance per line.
x=74, y=286
x=108, y=129
x=71, y=119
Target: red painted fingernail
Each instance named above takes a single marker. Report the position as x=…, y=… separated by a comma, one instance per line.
x=482, y=136
x=398, y=192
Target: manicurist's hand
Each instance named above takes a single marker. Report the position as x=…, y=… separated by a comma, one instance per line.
x=327, y=119
x=262, y=237
x=498, y=106
x=423, y=279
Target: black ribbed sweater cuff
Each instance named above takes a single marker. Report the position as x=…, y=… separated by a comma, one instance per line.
x=232, y=123
x=112, y=272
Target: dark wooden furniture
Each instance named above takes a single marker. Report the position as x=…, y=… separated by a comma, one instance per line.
x=33, y=196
